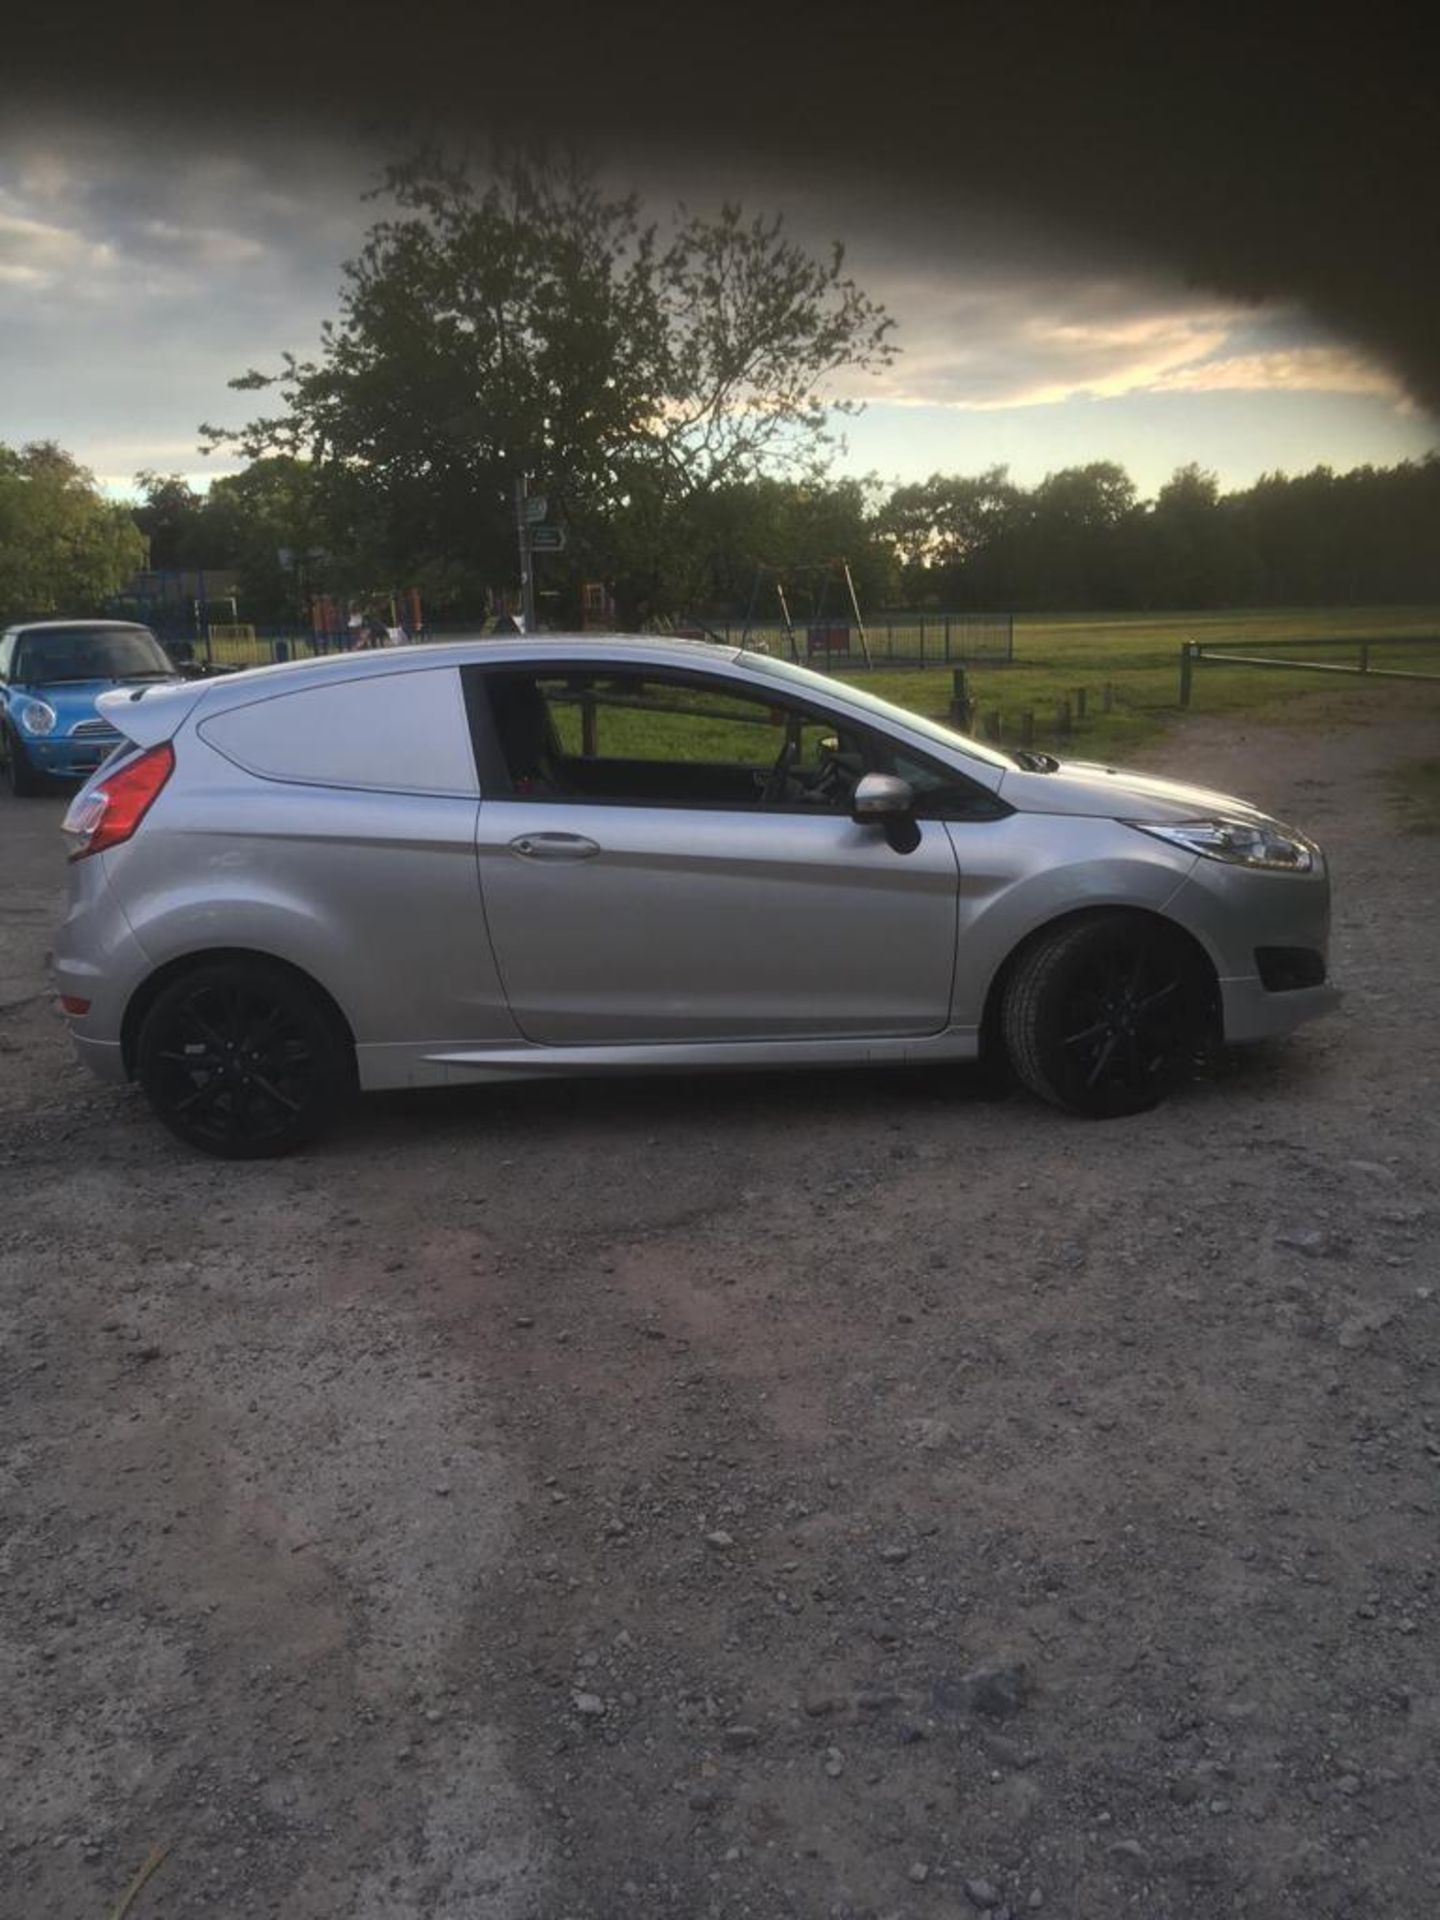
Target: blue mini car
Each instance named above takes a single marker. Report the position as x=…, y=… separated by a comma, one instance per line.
x=51, y=673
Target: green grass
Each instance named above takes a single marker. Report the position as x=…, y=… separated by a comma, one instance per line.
x=1137, y=655
x=1415, y=791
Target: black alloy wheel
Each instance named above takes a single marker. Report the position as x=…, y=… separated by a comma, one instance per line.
x=243, y=1060
x=1108, y=1014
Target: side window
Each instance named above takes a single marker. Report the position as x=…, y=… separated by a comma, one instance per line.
x=394, y=732
x=940, y=793
x=7, y=649
x=657, y=739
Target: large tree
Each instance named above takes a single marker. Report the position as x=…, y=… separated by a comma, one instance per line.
x=63, y=547
x=522, y=318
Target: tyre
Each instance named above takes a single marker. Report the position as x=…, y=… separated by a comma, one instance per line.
x=22, y=779
x=243, y=1059
x=1108, y=1014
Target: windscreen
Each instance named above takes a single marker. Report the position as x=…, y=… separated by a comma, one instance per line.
x=89, y=653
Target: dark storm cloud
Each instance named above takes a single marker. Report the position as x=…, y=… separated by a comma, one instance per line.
x=1263, y=156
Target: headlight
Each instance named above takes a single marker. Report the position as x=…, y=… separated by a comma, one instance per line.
x=36, y=717
x=1239, y=843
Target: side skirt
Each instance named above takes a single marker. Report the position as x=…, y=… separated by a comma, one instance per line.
x=409, y=1066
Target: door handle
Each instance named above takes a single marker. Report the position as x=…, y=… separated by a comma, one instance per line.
x=554, y=846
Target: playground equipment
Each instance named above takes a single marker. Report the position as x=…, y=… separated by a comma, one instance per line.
x=825, y=639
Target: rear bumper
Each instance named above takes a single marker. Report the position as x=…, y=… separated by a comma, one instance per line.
x=102, y=1057
x=96, y=958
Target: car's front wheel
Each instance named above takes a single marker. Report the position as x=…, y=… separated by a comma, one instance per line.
x=243, y=1059
x=1108, y=1013
x=20, y=776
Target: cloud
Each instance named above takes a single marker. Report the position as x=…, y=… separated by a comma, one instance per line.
x=1301, y=369
x=135, y=281
x=1034, y=339
x=199, y=246
x=36, y=255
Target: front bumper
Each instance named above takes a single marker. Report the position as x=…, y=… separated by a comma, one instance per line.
x=1236, y=912
x=66, y=757
x=1251, y=1012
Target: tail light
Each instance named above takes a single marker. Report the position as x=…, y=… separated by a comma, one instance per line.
x=109, y=812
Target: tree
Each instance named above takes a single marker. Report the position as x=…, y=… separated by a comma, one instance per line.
x=527, y=320
x=941, y=530
x=271, y=524
x=1193, y=549
x=169, y=516
x=63, y=548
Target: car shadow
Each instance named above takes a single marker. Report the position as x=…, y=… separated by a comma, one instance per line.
x=656, y=1103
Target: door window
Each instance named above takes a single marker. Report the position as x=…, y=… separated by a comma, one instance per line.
x=651, y=739
x=647, y=738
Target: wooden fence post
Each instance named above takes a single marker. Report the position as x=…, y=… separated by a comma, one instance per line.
x=960, y=703
x=1187, y=668
x=1080, y=699
x=1027, y=727
x=1062, y=717
x=992, y=727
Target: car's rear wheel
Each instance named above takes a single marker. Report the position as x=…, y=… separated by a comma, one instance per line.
x=243, y=1059
x=1107, y=1014
x=20, y=776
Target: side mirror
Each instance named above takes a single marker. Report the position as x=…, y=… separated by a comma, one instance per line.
x=885, y=800
x=879, y=797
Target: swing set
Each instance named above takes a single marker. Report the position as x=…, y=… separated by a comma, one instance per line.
x=821, y=637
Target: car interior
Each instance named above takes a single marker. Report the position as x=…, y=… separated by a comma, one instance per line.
x=642, y=738
x=648, y=738
x=97, y=653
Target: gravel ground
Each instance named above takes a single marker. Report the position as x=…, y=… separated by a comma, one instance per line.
x=822, y=1496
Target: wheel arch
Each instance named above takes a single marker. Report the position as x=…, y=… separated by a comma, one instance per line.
x=991, y=1041
x=153, y=985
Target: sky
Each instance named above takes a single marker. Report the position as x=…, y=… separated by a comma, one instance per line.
x=135, y=281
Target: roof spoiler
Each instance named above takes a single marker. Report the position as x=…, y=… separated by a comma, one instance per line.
x=148, y=715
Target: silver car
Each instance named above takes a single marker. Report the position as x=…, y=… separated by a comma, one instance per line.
x=483, y=860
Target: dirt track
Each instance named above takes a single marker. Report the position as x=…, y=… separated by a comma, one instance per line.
x=597, y=1501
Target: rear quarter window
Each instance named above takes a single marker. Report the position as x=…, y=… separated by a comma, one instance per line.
x=392, y=733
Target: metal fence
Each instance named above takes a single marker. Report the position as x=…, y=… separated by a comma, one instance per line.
x=892, y=640
x=1242, y=653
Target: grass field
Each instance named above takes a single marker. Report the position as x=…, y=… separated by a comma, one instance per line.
x=1137, y=655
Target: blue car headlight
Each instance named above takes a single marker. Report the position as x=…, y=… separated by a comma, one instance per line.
x=36, y=717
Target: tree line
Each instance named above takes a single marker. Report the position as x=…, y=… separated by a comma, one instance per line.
x=1084, y=539
x=1080, y=539
x=667, y=385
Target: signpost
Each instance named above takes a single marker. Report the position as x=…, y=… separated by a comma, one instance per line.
x=533, y=538
x=523, y=519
